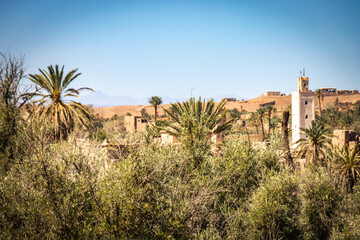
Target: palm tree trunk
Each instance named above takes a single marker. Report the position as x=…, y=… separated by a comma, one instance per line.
x=269, y=122
x=262, y=128
x=350, y=184
x=316, y=153
x=285, y=140
x=320, y=104
x=156, y=113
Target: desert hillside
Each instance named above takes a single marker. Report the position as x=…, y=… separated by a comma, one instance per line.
x=251, y=105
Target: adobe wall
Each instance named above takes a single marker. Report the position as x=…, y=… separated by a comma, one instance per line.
x=342, y=137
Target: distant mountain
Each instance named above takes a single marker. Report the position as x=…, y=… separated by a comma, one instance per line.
x=99, y=99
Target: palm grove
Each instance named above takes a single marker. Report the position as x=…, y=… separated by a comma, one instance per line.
x=57, y=181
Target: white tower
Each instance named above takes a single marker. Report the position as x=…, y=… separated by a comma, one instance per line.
x=303, y=108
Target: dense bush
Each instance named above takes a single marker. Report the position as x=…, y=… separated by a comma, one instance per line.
x=349, y=217
x=71, y=190
x=319, y=205
x=274, y=208
x=240, y=189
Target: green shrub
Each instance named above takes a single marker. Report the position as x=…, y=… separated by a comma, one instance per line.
x=51, y=195
x=320, y=201
x=349, y=217
x=274, y=209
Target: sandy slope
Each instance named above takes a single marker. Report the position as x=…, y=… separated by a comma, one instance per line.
x=281, y=103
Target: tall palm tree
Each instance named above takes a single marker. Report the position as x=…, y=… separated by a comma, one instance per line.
x=348, y=166
x=155, y=101
x=285, y=139
x=319, y=95
x=261, y=115
x=317, y=138
x=254, y=121
x=270, y=109
x=337, y=104
x=54, y=104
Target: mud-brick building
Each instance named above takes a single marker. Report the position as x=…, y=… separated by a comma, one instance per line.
x=342, y=137
x=134, y=124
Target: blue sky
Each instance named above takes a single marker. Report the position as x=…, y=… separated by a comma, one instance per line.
x=172, y=48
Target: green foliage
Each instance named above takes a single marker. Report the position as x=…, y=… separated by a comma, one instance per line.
x=274, y=209
x=155, y=101
x=50, y=195
x=99, y=135
x=113, y=128
x=349, y=215
x=8, y=131
x=347, y=166
x=53, y=103
x=348, y=120
x=317, y=139
x=12, y=99
x=319, y=205
x=270, y=109
x=261, y=117
x=156, y=193
x=319, y=95
x=195, y=122
x=145, y=114
x=76, y=189
x=234, y=113
x=254, y=121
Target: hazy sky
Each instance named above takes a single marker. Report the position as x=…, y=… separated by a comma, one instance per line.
x=170, y=48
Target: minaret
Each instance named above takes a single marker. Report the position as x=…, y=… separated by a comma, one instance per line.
x=303, y=108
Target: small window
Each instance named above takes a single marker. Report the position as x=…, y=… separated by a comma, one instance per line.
x=305, y=102
x=306, y=116
x=305, y=85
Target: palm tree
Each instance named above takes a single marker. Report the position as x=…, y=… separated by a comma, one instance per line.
x=235, y=113
x=337, y=103
x=317, y=138
x=155, y=101
x=270, y=109
x=348, y=166
x=261, y=116
x=53, y=103
x=197, y=115
x=319, y=95
x=285, y=139
x=195, y=123
x=346, y=119
x=254, y=121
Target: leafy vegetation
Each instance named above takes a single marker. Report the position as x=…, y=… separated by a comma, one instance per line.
x=347, y=166
x=53, y=103
x=155, y=101
x=134, y=187
x=195, y=123
x=312, y=147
